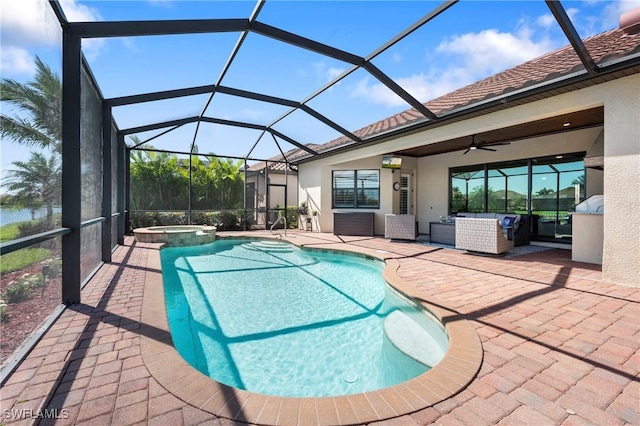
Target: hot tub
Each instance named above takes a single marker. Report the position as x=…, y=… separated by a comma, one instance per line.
x=176, y=235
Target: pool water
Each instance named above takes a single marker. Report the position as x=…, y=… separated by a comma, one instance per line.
x=275, y=319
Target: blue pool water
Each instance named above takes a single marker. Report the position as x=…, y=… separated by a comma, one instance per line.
x=280, y=320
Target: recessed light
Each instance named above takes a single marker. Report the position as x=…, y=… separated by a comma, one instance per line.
x=567, y=124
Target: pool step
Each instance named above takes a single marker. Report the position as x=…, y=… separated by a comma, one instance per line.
x=412, y=339
x=269, y=246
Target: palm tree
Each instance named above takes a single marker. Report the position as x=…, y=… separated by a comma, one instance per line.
x=229, y=181
x=156, y=182
x=36, y=183
x=41, y=101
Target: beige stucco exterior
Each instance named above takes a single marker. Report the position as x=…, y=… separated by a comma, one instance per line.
x=620, y=180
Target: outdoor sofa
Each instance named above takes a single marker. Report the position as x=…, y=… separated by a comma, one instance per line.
x=518, y=230
x=482, y=235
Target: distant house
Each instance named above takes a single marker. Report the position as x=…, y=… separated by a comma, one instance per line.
x=272, y=185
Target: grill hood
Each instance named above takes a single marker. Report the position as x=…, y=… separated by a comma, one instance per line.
x=594, y=158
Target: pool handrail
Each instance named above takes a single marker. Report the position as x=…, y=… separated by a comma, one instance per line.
x=276, y=222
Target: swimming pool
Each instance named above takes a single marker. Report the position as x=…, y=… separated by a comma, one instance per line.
x=275, y=319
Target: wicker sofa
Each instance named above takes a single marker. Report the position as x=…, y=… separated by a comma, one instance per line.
x=481, y=235
x=519, y=233
x=400, y=226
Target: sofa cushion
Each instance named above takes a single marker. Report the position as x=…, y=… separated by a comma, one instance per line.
x=509, y=221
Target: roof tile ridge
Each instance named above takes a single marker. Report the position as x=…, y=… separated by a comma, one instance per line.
x=408, y=115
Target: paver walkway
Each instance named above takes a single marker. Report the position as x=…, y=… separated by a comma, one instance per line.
x=560, y=346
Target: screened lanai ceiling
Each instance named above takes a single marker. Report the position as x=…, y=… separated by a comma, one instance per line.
x=254, y=80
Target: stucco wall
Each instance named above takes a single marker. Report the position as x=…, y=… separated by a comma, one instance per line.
x=620, y=180
x=621, y=251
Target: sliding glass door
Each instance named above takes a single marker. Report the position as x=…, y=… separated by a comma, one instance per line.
x=557, y=185
x=546, y=188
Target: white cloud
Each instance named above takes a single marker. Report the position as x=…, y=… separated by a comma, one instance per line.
x=323, y=72
x=468, y=58
x=15, y=60
x=79, y=12
x=611, y=13
x=598, y=15
x=546, y=20
x=491, y=51
x=333, y=72
x=572, y=13
x=28, y=22
x=27, y=25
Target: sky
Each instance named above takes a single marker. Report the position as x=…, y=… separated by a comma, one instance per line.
x=470, y=41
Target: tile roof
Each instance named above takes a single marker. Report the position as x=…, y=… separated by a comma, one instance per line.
x=291, y=155
x=602, y=47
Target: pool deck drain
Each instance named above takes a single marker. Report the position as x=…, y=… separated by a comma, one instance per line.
x=559, y=344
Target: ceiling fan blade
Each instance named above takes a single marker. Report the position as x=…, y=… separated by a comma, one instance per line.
x=486, y=149
x=496, y=143
x=468, y=149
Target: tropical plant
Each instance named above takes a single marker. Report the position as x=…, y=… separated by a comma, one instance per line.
x=228, y=183
x=545, y=191
x=40, y=100
x=156, y=182
x=578, y=181
x=36, y=183
x=160, y=181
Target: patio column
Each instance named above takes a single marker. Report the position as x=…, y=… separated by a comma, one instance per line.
x=621, y=246
x=121, y=188
x=71, y=173
x=127, y=188
x=106, y=183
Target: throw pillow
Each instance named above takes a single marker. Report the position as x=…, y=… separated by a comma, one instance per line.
x=508, y=221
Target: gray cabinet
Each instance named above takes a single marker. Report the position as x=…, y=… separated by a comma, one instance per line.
x=353, y=223
x=442, y=233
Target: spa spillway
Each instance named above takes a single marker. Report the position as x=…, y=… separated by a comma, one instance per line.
x=176, y=235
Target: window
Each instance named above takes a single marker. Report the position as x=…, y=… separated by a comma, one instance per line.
x=507, y=187
x=405, y=194
x=354, y=189
x=467, y=189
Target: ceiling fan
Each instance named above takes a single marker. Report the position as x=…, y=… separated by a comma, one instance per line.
x=485, y=146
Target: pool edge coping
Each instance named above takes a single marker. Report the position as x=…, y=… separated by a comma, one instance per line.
x=452, y=374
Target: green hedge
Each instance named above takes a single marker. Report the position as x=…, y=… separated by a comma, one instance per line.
x=223, y=221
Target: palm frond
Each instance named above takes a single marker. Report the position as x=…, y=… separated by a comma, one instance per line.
x=24, y=132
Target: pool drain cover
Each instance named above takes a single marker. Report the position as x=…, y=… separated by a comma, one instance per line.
x=350, y=377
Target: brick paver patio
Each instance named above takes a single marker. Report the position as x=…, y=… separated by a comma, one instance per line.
x=560, y=346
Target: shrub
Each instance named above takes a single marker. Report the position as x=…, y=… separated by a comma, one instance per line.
x=17, y=292
x=51, y=267
x=32, y=227
x=245, y=218
x=3, y=312
x=36, y=280
x=203, y=218
x=226, y=221
x=223, y=221
x=147, y=219
x=21, y=290
x=292, y=215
